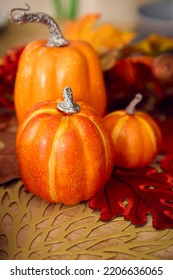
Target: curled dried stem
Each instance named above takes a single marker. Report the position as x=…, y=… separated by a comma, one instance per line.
x=21, y=16
x=131, y=108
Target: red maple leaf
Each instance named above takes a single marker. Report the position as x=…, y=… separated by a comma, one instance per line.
x=136, y=193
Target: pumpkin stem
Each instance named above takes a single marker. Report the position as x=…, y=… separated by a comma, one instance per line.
x=56, y=38
x=68, y=106
x=130, y=109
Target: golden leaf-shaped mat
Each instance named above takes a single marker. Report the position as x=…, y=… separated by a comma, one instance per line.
x=31, y=228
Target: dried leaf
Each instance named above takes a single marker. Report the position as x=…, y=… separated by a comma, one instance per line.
x=134, y=194
x=102, y=37
x=8, y=162
x=108, y=59
x=7, y=118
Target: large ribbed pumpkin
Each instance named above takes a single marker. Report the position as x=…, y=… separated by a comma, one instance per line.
x=48, y=65
x=64, y=151
x=136, y=136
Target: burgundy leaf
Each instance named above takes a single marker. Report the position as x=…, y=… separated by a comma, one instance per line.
x=136, y=193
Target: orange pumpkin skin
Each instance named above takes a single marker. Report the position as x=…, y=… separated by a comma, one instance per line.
x=64, y=158
x=137, y=138
x=48, y=65
x=42, y=70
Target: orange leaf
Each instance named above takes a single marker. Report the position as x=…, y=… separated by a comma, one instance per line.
x=102, y=37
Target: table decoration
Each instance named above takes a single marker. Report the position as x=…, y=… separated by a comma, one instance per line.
x=136, y=136
x=64, y=150
x=131, y=218
x=60, y=63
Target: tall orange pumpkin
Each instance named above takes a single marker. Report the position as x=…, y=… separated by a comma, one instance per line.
x=64, y=151
x=136, y=136
x=46, y=66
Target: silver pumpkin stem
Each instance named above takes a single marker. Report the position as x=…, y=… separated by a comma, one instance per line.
x=68, y=106
x=131, y=108
x=56, y=39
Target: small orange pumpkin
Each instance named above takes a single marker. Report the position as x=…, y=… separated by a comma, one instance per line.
x=136, y=136
x=46, y=66
x=64, y=151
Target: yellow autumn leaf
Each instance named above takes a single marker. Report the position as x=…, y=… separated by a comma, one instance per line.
x=155, y=44
x=103, y=37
